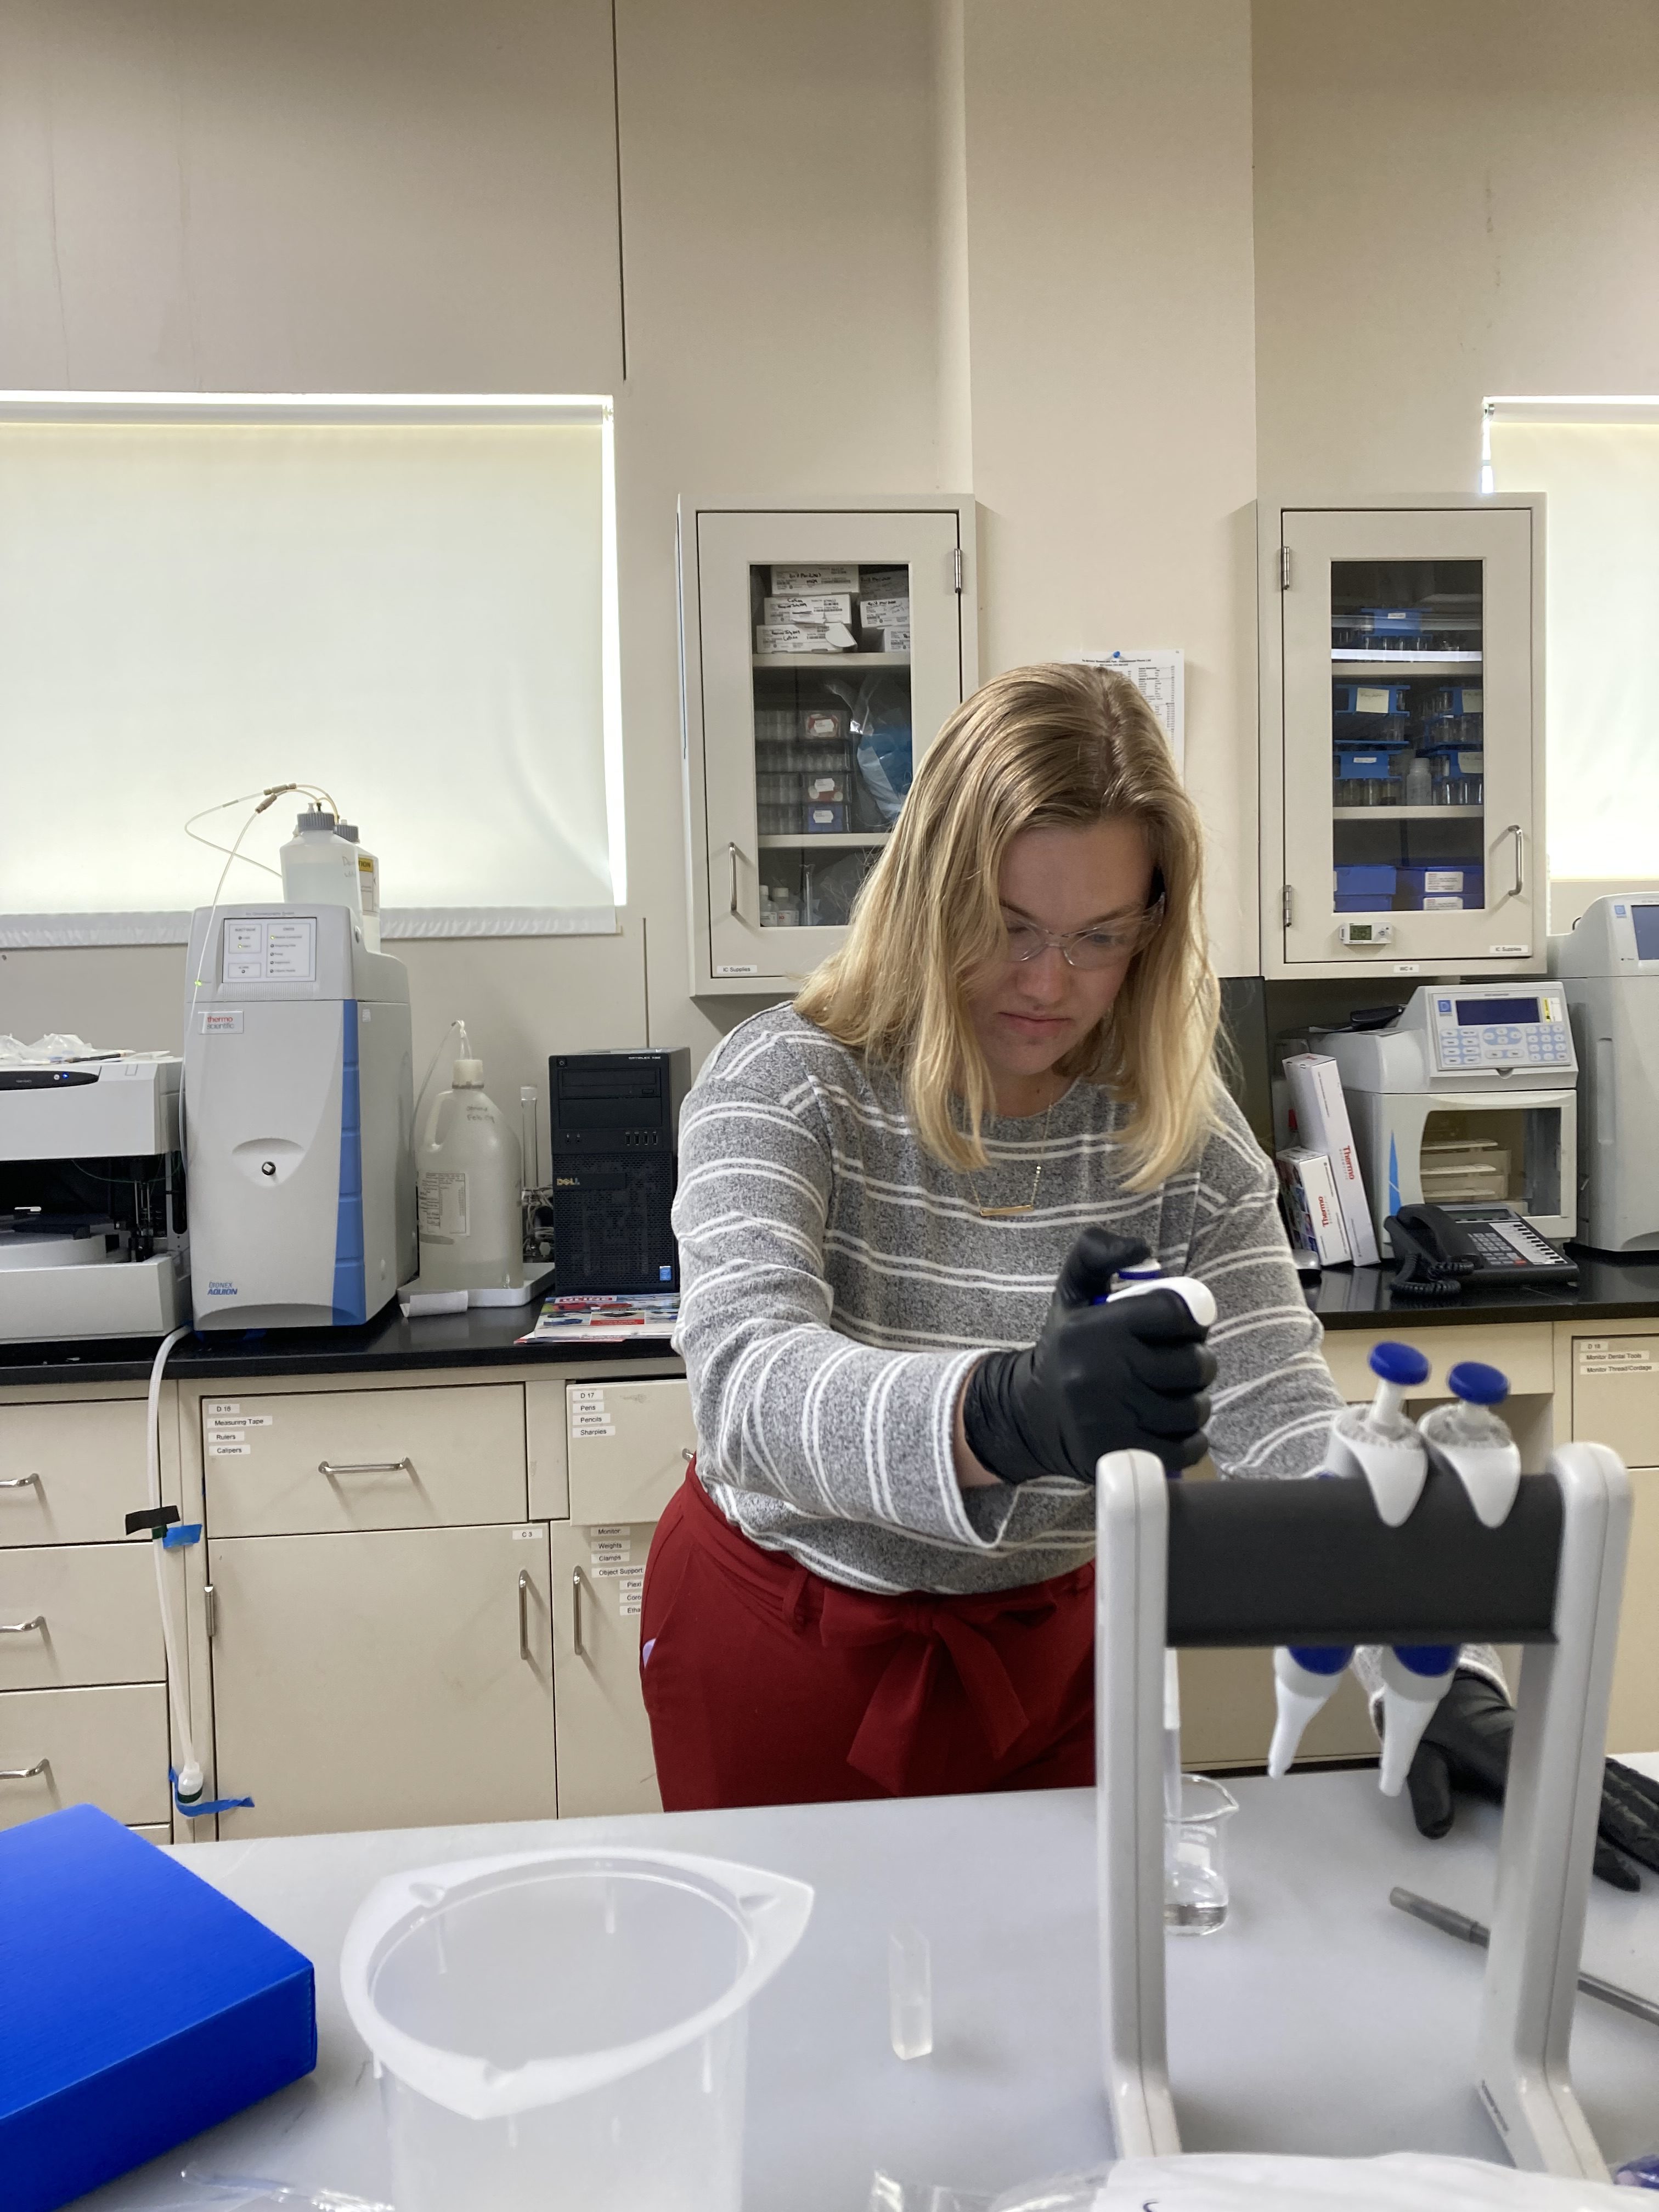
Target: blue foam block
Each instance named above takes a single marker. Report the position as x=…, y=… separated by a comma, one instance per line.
x=140, y=2007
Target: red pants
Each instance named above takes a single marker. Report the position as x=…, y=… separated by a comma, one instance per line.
x=766, y=1685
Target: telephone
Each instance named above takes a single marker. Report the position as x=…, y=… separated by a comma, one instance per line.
x=1441, y=1248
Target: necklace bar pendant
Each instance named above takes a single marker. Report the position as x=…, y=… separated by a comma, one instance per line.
x=1004, y=1212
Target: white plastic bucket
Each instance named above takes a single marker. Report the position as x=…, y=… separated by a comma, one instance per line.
x=566, y=2028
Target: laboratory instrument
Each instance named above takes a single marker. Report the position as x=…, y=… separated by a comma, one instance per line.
x=469, y=1189
x=92, y=1236
x=1382, y=1444
x=1607, y=967
x=299, y=1113
x=614, y=1119
x=567, y=2024
x=1226, y=1564
x=1474, y=1931
x=1466, y=1094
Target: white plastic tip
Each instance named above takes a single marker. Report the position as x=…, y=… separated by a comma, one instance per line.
x=1196, y=1297
x=1404, y=1719
x=1295, y=1711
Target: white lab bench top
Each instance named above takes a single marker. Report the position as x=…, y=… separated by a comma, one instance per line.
x=1320, y=2019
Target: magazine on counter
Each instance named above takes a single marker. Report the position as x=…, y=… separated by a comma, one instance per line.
x=595, y=1319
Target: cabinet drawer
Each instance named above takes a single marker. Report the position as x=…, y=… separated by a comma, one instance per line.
x=97, y=1609
x=318, y=1463
x=1615, y=1395
x=71, y=1474
x=1521, y=1350
x=1633, y=1717
x=107, y=1747
x=629, y=1444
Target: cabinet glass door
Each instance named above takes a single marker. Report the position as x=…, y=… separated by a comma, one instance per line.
x=830, y=656
x=1409, y=736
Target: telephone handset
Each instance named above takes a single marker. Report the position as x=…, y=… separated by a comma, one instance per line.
x=1441, y=1248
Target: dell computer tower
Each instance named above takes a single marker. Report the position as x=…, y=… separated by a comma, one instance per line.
x=615, y=1127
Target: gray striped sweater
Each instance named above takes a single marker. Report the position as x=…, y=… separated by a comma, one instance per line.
x=839, y=1283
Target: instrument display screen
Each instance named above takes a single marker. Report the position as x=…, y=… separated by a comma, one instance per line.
x=1483, y=1013
x=1645, y=921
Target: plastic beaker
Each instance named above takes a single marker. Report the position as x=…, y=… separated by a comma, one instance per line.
x=1194, y=1858
x=566, y=2028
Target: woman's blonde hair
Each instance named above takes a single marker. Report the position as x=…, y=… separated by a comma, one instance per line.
x=1056, y=746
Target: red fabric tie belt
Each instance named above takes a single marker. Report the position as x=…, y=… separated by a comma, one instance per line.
x=933, y=1637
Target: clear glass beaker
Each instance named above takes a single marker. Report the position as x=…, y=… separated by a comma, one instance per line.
x=1194, y=1858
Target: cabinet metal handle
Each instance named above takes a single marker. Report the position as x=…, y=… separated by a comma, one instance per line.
x=25, y=1773
x=19, y=1481
x=576, y=1612
x=1519, y=882
x=688, y=1453
x=22, y=1627
x=732, y=855
x=524, y=1612
x=366, y=1466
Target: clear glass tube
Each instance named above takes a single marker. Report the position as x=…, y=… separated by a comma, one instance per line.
x=909, y=1992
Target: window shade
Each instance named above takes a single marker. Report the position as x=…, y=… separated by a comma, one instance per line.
x=417, y=614
x=1601, y=480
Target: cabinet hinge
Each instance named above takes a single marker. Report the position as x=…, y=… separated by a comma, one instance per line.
x=210, y=1608
x=1286, y=905
x=1284, y=568
x=958, y=569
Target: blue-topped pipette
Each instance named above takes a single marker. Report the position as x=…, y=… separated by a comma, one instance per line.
x=1379, y=1441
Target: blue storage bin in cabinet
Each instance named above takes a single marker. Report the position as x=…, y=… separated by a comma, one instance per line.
x=1369, y=713
x=1458, y=699
x=1440, y=733
x=1370, y=881
x=137, y=2005
x=1444, y=887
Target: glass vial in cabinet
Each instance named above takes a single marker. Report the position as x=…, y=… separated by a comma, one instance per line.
x=823, y=653
x=1402, y=770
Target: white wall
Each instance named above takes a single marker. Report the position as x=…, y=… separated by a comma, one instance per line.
x=1112, y=367
x=1453, y=199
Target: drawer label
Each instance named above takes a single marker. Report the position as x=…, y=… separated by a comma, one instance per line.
x=1600, y=1355
x=526, y=1536
x=213, y=1408
x=229, y=1423
x=585, y=1404
x=227, y=1451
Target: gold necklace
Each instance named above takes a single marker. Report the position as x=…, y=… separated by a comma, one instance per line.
x=1008, y=1212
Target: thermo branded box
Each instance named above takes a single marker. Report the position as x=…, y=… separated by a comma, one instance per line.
x=1314, y=1214
x=137, y=2005
x=1322, y=1125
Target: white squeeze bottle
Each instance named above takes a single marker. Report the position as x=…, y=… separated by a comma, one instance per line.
x=319, y=866
x=469, y=1188
x=368, y=885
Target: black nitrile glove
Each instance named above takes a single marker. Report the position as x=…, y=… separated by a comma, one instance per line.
x=1129, y=1376
x=1467, y=1747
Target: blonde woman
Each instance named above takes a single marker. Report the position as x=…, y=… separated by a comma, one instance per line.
x=900, y=1201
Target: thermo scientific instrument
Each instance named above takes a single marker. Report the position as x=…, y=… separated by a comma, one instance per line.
x=1465, y=1095
x=298, y=1119
x=1608, y=967
x=91, y=1192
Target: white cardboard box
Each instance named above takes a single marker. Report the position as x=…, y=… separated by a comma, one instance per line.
x=1312, y=1201
x=1322, y=1125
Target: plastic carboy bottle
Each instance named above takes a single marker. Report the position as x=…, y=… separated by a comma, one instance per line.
x=469, y=1189
x=319, y=866
x=368, y=885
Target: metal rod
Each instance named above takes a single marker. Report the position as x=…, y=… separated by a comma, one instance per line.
x=576, y=1612
x=24, y=1773
x=524, y=1612
x=22, y=1627
x=731, y=852
x=1472, y=1931
x=20, y=1481
x=366, y=1466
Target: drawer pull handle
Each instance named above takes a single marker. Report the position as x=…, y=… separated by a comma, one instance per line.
x=576, y=1612
x=25, y=1773
x=524, y=1613
x=19, y=1481
x=688, y=1453
x=23, y=1627
x=331, y=1467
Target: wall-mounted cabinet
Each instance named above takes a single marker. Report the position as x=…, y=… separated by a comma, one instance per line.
x=1402, y=737
x=821, y=652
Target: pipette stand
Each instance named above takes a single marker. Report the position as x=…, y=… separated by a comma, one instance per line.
x=1217, y=1565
